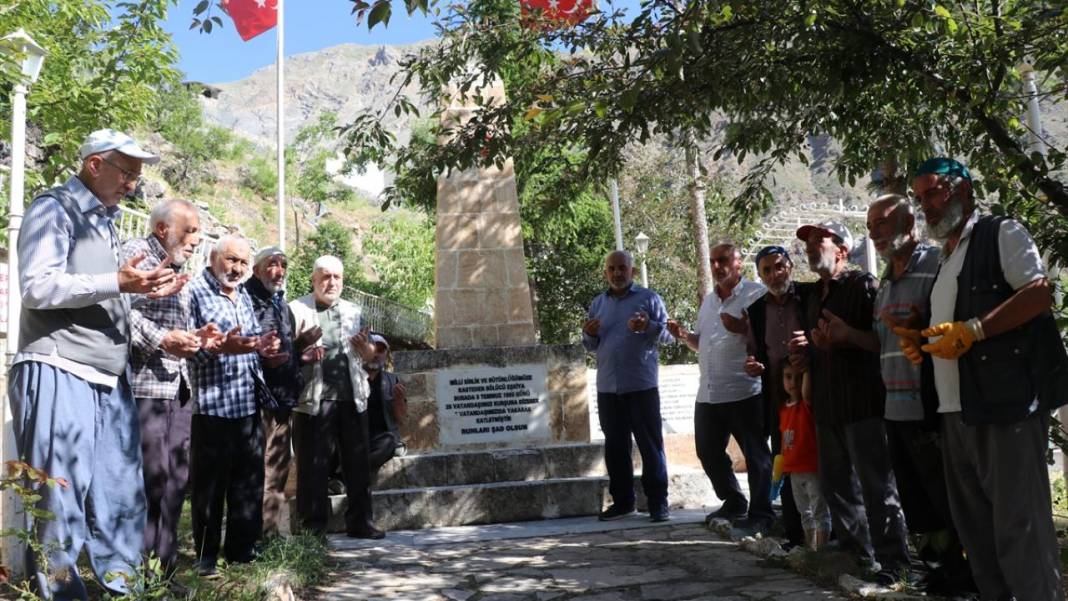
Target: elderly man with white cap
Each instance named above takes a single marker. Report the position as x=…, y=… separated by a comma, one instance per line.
x=72, y=408
x=848, y=397
x=282, y=374
x=332, y=413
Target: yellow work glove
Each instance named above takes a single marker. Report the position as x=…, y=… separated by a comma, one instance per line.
x=956, y=338
x=909, y=341
x=776, y=469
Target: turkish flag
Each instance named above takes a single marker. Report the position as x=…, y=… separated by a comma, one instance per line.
x=252, y=17
x=566, y=11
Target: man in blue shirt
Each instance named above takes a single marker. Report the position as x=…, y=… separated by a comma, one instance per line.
x=623, y=328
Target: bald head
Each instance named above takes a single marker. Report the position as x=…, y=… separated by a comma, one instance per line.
x=619, y=270
x=892, y=225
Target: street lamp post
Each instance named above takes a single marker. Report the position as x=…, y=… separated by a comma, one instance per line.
x=31, y=59
x=641, y=244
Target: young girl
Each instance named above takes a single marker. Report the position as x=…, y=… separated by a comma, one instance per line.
x=799, y=455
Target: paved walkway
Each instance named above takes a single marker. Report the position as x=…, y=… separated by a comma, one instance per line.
x=563, y=560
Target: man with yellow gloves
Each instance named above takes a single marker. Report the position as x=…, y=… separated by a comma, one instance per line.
x=999, y=368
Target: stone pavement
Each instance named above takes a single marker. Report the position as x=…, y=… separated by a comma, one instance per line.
x=564, y=559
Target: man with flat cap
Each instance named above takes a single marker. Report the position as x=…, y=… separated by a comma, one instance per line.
x=282, y=374
x=73, y=412
x=999, y=369
x=856, y=478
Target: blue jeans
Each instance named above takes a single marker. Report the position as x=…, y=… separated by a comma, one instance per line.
x=88, y=435
x=638, y=414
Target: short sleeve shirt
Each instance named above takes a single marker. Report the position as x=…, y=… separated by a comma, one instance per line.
x=1021, y=265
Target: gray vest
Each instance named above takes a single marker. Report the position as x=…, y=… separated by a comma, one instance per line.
x=97, y=335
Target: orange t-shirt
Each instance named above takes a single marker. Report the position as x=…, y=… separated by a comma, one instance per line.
x=799, y=455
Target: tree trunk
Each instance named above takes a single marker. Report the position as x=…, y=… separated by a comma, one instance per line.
x=697, y=216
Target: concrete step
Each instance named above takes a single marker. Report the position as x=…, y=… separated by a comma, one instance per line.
x=490, y=466
x=512, y=501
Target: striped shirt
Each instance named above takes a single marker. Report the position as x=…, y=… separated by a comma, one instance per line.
x=898, y=297
x=223, y=385
x=43, y=278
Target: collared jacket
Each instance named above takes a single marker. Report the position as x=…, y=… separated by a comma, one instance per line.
x=306, y=317
x=285, y=381
x=155, y=373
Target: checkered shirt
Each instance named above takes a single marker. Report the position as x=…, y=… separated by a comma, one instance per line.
x=223, y=385
x=156, y=374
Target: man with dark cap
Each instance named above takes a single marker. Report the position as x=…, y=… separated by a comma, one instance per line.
x=282, y=374
x=999, y=368
x=848, y=402
x=772, y=320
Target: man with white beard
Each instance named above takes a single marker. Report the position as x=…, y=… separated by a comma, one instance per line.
x=999, y=365
x=159, y=345
x=848, y=404
x=911, y=424
x=282, y=373
x=228, y=391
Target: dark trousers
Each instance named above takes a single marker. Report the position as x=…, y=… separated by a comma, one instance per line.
x=999, y=494
x=858, y=484
x=791, y=518
x=714, y=424
x=276, y=457
x=382, y=447
x=227, y=466
x=338, y=426
x=165, y=426
x=916, y=454
x=638, y=414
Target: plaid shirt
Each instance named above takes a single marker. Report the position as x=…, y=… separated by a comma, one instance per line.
x=156, y=374
x=223, y=385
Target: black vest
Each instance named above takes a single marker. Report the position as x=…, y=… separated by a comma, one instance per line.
x=1001, y=377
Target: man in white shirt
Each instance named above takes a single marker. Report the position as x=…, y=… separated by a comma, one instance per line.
x=998, y=370
x=729, y=401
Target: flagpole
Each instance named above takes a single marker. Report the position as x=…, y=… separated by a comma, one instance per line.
x=280, y=60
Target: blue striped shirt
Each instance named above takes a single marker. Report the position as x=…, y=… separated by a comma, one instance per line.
x=223, y=385
x=626, y=360
x=898, y=297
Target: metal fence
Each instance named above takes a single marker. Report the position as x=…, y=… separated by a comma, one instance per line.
x=383, y=315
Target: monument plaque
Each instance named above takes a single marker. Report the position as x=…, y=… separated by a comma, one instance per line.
x=493, y=404
x=678, y=391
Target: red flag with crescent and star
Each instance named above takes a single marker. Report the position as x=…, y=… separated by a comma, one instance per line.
x=567, y=12
x=251, y=17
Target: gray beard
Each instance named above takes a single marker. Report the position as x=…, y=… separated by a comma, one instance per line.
x=779, y=290
x=949, y=222
x=272, y=287
x=896, y=244
x=824, y=266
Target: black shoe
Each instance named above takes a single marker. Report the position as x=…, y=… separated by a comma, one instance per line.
x=206, y=567
x=727, y=512
x=366, y=531
x=753, y=526
x=615, y=512
x=659, y=514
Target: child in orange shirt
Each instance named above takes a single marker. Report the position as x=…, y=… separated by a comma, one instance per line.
x=799, y=457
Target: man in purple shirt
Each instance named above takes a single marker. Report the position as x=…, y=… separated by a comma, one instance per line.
x=624, y=326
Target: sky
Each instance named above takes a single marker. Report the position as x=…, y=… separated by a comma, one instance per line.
x=310, y=25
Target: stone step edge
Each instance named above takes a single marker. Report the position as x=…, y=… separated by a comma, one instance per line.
x=417, y=489
x=506, y=451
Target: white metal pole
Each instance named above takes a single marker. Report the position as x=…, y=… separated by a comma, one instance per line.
x=613, y=193
x=17, y=188
x=645, y=274
x=1034, y=115
x=280, y=122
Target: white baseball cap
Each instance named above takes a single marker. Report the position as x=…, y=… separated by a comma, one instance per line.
x=379, y=339
x=103, y=140
x=827, y=228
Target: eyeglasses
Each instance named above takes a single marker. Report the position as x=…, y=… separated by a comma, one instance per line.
x=128, y=176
